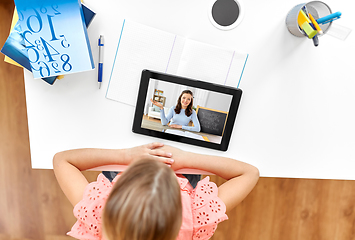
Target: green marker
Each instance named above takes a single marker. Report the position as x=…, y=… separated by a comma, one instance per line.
x=310, y=32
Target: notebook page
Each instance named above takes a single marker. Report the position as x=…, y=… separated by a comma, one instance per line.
x=140, y=47
x=175, y=57
x=211, y=63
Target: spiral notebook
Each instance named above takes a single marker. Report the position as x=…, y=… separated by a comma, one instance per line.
x=143, y=47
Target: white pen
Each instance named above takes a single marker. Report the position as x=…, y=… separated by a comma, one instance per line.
x=101, y=60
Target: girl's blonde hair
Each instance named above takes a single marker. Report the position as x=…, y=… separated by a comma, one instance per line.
x=145, y=203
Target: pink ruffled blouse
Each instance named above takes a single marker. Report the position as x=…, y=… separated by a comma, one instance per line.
x=202, y=210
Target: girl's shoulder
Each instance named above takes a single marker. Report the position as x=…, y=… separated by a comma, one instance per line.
x=207, y=209
x=88, y=211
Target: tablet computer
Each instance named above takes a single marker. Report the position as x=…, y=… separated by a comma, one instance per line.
x=186, y=110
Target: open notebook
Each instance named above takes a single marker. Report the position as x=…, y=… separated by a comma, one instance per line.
x=143, y=47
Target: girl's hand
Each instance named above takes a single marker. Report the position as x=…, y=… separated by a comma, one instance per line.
x=175, y=126
x=149, y=151
x=180, y=157
x=158, y=104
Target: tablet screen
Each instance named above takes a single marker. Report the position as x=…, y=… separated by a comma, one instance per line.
x=186, y=110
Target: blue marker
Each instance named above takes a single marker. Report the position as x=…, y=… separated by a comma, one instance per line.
x=329, y=18
x=101, y=45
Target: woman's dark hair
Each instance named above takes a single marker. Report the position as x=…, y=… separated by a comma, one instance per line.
x=188, y=110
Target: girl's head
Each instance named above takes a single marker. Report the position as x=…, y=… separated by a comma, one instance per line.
x=185, y=101
x=145, y=203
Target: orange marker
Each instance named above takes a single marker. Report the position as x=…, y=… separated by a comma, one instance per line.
x=315, y=24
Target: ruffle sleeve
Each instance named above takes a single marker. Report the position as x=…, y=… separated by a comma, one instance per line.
x=88, y=211
x=202, y=209
x=207, y=209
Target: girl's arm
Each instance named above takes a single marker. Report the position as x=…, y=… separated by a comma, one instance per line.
x=68, y=165
x=242, y=177
x=196, y=127
x=165, y=120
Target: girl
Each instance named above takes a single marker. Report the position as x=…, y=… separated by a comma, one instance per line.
x=181, y=114
x=148, y=201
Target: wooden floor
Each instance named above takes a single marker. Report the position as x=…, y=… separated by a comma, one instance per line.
x=32, y=205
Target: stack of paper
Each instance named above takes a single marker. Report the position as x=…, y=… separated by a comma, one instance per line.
x=41, y=42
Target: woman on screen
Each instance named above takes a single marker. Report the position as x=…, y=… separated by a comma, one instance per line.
x=181, y=114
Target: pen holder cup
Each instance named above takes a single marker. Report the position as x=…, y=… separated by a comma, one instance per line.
x=318, y=9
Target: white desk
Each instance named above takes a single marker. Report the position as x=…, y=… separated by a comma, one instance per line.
x=296, y=117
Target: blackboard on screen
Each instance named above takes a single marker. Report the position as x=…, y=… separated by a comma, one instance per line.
x=211, y=121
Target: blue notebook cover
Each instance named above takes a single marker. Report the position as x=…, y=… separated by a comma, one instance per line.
x=15, y=47
x=88, y=14
x=53, y=48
